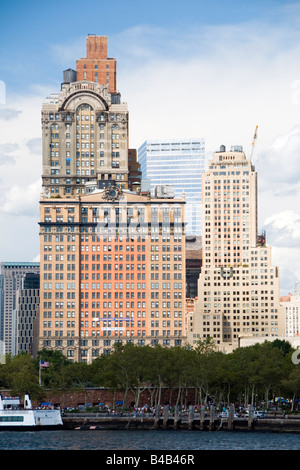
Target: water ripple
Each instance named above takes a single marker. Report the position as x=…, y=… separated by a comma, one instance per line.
x=147, y=440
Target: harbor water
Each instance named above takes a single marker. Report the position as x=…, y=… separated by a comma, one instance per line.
x=148, y=440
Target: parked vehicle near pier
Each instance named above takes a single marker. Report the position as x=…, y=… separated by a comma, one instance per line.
x=225, y=414
x=256, y=414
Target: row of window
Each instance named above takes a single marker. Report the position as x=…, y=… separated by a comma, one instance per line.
x=84, y=117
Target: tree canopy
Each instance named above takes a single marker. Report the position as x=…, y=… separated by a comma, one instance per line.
x=258, y=372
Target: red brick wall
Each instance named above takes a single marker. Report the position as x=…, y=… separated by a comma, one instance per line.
x=105, y=396
x=96, y=54
x=96, y=47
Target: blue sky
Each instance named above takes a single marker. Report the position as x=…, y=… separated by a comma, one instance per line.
x=31, y=29
x=209, y=69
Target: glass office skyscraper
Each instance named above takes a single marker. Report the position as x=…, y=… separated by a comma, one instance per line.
x=178, y=162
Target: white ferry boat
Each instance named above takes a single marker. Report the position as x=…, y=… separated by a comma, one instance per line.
x=14, y=417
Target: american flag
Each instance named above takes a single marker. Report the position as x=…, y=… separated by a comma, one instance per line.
x=44, y=364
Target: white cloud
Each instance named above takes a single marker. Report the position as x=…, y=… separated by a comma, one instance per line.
x=36, y=259
x=217, y=82
x=22, y=200
x=35, y=145
x=283, y=234
x=67, y=53
x=284, y=229
x=7, y=114
x=19, y=237
x=280, y=163
x=231, y=79
x=6, y=151
x=289, y=267
x=19, y=145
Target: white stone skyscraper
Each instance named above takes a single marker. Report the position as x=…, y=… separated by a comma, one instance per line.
x=238, y=288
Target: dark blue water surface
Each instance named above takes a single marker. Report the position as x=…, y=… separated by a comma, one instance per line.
x=147, y=440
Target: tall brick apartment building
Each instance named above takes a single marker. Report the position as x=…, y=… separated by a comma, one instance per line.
x=85, y=128
x=112, y=260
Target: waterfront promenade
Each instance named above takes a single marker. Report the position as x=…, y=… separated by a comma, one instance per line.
x=202, y=421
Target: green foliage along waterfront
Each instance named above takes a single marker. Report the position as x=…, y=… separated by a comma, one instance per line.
x=248, y=375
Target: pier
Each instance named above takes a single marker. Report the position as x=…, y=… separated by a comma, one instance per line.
x=202, y=420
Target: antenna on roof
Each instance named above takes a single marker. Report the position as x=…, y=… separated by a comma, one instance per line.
x=253, y=142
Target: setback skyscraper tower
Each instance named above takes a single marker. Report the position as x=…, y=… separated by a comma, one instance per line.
x=238, y=286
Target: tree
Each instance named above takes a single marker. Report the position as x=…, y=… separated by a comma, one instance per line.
x=118, y=369
x=271, y=368
x=20, y=376
x=77, y=376
x=140, y=358
x=283, y=345
x=206, y=346
x=103, y=373
x=244, y=374
x=55, y=376
x=206, y=361
x=158, y=372
x=180, y=371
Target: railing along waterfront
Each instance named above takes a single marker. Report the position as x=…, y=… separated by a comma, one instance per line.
x=203, y=420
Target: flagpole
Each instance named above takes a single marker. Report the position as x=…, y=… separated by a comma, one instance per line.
x=40, y=375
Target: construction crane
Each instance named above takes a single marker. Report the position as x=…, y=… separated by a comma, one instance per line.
x=253, y=142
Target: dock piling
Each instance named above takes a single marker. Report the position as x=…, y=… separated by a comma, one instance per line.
x=165, y=416
x=176, y=416
x=191, y=417
x=230, y=417
x=212, y=418
x=202, y=417
x=250, y=417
